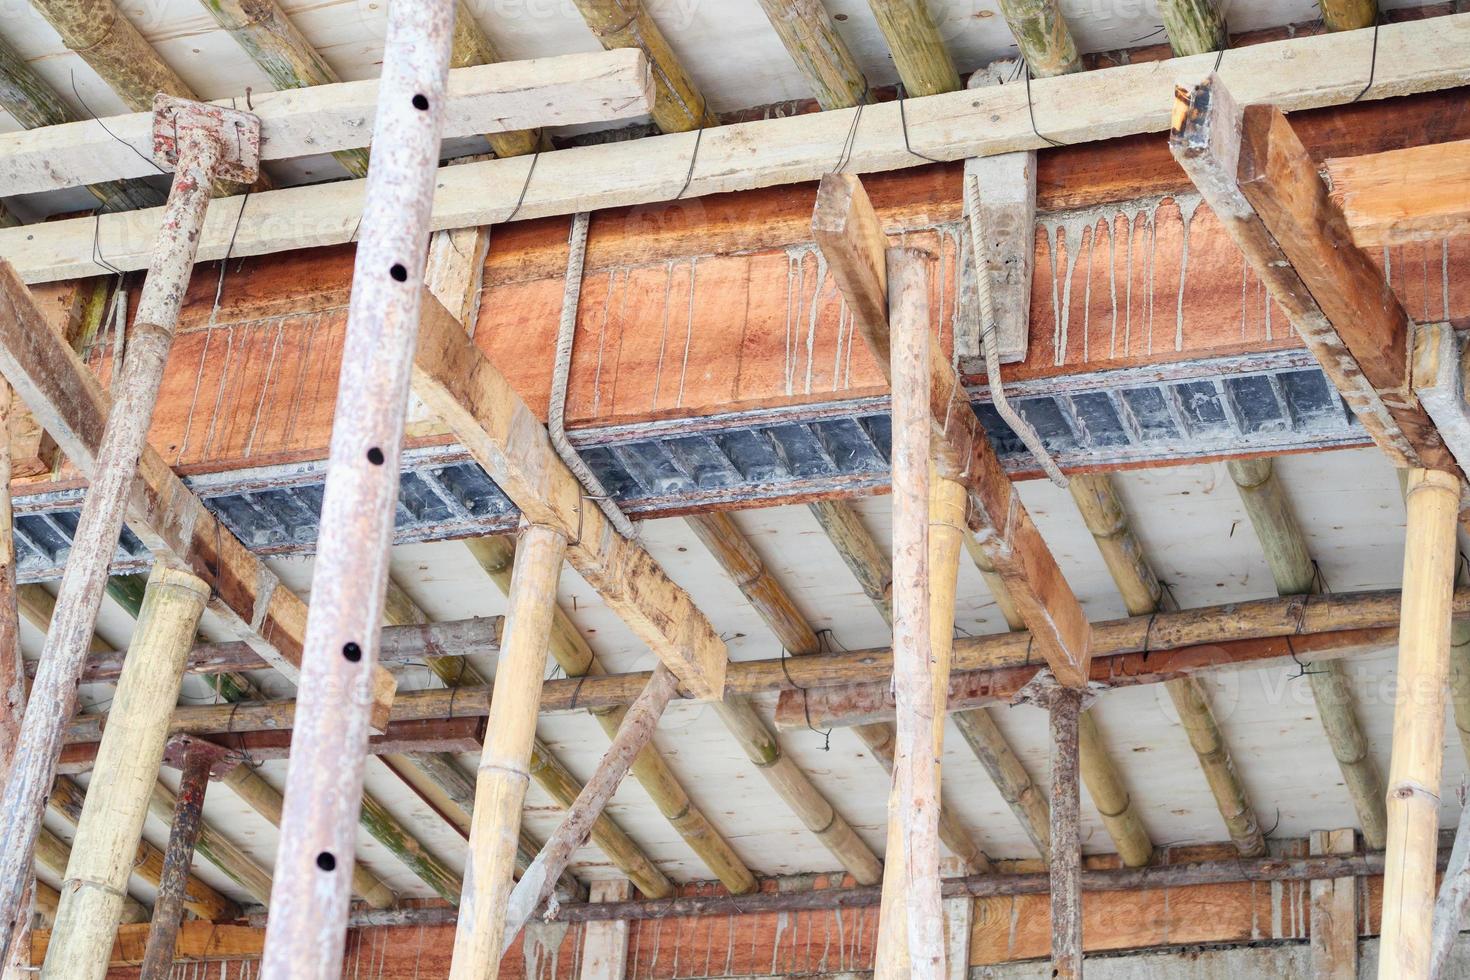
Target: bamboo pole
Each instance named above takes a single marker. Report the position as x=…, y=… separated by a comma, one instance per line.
x=1285, y=547
x=33, y=103
x=1042, y=35
x=124, y=438
x=68, y=801
x=1194, y=26
x=312, y=891
x=820, y=54
x=917, y=47
x=496, y=555
x=1348, y=15
x=1016, y=787
x=128, y=760
x=472, y=46
x=168, y=909
x=678, y=105
x=928, y=513
x=109, y=43
x=1418, y=742
x=1064, y=711
x=769, y=597
x=537, y=884
x=503, y=775
x=859, y=551
x=1106, y=517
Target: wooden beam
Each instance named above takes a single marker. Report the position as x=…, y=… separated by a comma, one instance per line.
x=70, y=403
x=1348, y=15
x=466, y=390
x=1254, y=172
x=1194, y=26
x=678, y=104
x=852, y=240
x=537, y=884
x=1415, y=194
x=1415, y=56
x=1285, y=546
x=1064, y=712
x=1334, y=924
x=918, y=50
x=820, y=53
x=132, y=750
x=1000, y=203
x=928, y=521
x=197, y=941
x=1042, y=35
x=736, y=555
x=1107, y=519
x=298, y=122
x=1418, y=737
x=501, y=785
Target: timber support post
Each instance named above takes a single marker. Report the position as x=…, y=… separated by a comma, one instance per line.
x=1064, y=706
x=127, y=767
x=500, y=789
x=911, y=921
x=200, y=758
x=12, y=683
x=1418, y=736
x=201, y=142
x=312, y=893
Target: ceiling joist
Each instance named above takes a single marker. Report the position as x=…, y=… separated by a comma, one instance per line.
x=1300, y=73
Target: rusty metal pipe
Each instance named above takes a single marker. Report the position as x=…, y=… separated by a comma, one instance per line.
x=313, y=879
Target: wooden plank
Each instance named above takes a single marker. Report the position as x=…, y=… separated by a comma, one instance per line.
x=70, y=403
x=1415, y=194
x=568, y=89
x=1300, y=73
x=470, y=394
x=851, y=239
x=1257, y=176
x=1334, y=913
x=132, y=750
x=1280, y=180
x=605, y=944
x=197, y=941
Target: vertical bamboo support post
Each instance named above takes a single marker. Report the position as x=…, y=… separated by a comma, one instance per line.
x=208, y=141
x=504, y=772
x=168, y=909
x=122, y=780
x=12, y=679
x=313, y=880
x=636, y=731
x=1065, y=711
x=911, y=923
x=1418, y=737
